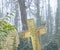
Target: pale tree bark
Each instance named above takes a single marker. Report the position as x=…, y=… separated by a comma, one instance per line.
x=16, y=15
x=38, y=17
x=49, y=21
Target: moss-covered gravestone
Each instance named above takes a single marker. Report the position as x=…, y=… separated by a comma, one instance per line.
x=9, y=39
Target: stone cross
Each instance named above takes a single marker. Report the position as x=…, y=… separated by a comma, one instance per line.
x=33, y=33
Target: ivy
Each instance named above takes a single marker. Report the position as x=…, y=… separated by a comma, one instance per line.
x=5, y=27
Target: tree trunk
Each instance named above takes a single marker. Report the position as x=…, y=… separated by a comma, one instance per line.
x=23, y=14
x=16, y=15
x=24, y=43
x=58, y=23
x=49, y=21
x=38, y=18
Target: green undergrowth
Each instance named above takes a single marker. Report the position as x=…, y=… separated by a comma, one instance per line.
x=5, y=27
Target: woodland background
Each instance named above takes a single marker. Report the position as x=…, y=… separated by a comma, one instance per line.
x=42, y=11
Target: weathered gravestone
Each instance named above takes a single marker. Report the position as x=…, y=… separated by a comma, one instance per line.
x=33, y=33
x=9, y=38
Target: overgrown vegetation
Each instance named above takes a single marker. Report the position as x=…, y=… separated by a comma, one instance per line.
x=5, y=27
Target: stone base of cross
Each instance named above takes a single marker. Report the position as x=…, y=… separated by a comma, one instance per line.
x=33, y=33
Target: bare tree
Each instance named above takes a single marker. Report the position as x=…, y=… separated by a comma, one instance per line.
x=57, y=33
x=23, y=14
x=49, y=21
x=16, y=15
x=38, y=17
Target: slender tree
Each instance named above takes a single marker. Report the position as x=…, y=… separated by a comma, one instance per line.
x=38, y=18
x=24, y=43
x=16, y=15
x=49, y=21
x=23, y=14
x=58, y=22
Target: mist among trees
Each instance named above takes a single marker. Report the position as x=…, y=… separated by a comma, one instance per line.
x=43, y=12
